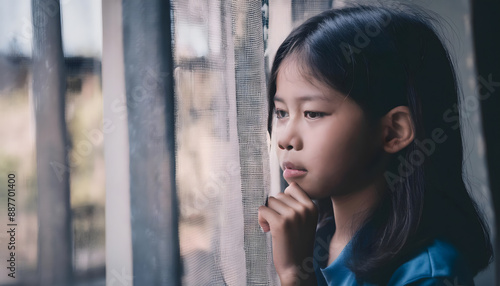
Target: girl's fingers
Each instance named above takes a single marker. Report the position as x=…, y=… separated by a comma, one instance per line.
x=290, y=201
x=266, y=217
x=280, y=206
x=293, y=204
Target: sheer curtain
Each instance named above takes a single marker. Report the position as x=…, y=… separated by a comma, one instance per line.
x=222, y=150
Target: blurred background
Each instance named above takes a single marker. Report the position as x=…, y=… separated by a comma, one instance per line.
x=82, y=50
x=160, y=152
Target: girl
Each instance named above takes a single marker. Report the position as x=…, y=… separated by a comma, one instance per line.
x=364, y=107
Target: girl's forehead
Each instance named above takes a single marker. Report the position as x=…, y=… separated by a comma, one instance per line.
x=297, y=72
x=293, y=67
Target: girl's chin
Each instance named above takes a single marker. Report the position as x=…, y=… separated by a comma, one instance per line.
x=311, y=191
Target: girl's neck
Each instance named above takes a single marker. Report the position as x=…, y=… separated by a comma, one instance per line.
x=352, y=209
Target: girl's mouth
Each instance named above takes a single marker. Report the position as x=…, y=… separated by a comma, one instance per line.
x=292, y=171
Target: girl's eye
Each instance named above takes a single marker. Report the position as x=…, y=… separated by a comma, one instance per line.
x=281, y=113
x=313, y=114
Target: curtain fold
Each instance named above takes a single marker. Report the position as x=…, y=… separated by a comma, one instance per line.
x=222, y=151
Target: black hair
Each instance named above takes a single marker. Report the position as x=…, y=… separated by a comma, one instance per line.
x=381, y=58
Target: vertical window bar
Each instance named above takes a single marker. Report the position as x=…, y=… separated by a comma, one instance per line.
x=49, y=88
x=150, y=105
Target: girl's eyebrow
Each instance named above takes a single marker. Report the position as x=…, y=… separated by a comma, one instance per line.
x=311, y=97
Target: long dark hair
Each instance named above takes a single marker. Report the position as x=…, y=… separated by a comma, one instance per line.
x=382, y=58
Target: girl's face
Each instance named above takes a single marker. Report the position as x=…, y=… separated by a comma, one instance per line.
x=325, y=143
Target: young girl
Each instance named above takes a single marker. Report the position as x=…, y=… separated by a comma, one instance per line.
x=364, y=103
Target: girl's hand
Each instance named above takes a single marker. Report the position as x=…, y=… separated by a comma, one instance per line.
x=291, y=217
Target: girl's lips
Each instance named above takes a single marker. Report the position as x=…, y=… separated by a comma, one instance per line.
x=293, y=173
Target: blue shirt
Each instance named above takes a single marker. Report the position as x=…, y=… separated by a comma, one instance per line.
x=439, y=263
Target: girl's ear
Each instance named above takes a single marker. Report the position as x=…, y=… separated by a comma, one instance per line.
x=398, y=131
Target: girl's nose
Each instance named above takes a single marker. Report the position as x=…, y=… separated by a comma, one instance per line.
x=289, y=139
x=289, y=147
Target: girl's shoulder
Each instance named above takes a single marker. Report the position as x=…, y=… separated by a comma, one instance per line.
x=439, y=263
